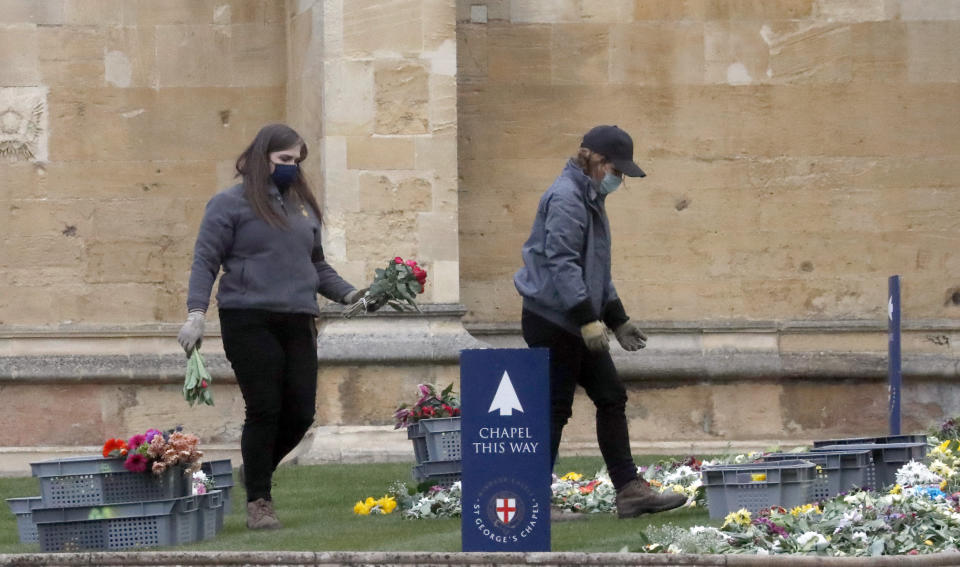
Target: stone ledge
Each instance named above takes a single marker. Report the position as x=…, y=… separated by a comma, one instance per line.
x=364, y=346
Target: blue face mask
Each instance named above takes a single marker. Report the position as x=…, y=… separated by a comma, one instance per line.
x=284, y=174
x=609, y=184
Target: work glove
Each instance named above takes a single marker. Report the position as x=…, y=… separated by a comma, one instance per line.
x=595, y=335
x=191, y=333
x=369, y=304
x=354, y=295
x=630, y=336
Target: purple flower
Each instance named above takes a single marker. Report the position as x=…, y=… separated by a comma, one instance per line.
x=151, y=433
x=136, y=463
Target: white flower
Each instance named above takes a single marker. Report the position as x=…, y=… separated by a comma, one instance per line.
x=860, y=536
x=697, y=530
x=807, y=537
x=199, y=476
x=763, y=552
x=914, y=473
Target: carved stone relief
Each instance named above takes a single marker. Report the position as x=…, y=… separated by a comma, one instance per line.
x=23, y=123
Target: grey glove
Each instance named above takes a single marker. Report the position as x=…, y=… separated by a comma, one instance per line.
x=595, y=335
x=191, y=333
x=630, y=336
x=354, y=295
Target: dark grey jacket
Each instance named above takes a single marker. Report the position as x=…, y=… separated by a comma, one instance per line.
x=565, y=276
x=264, y=267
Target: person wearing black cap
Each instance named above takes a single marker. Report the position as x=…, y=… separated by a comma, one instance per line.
x=569, y=302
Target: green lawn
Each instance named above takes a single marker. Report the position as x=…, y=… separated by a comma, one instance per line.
x=315, y=504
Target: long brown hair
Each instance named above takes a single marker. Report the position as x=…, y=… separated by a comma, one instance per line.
x=253, y=166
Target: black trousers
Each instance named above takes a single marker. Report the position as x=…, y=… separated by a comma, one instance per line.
x=571, y=363
x=274, y=357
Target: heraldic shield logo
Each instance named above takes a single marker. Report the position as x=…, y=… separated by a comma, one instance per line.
x=506, y=509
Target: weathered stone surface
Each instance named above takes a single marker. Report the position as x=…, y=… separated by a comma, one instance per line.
x=580, y=54
x=364, y=152
x=384, y=193
x=402, y=99
x=370, y=26
x=193, y=55
x=518, y=53
x=544, y=12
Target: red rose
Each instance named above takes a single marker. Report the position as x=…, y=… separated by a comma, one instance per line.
x=203, y=384
x=398, y=260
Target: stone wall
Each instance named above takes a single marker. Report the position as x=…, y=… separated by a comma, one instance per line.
x=130, y=115
x=798, y=152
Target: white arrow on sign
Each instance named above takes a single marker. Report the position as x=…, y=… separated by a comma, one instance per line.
x=505, y=399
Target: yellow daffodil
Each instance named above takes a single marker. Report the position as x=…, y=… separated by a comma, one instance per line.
x=805, y=509
x=387, y=504
x=361, y=509
x=945, y=446
x=370, y=502
x=758, y=477
x=741, y=518
x=943, y=486
x=572, y=476
x=928, y=542
x=897, y=489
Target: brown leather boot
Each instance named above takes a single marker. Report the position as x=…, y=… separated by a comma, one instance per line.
x=637, y=497
x=260, y=515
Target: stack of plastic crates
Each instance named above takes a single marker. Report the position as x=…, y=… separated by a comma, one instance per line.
x=436, y=446
x=95, y=503
x=756, y=486
x=889, y=453
x=837, y=471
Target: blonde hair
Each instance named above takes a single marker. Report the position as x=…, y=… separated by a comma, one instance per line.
x=587, y=160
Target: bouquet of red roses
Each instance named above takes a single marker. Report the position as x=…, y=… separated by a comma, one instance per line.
x=396, y=285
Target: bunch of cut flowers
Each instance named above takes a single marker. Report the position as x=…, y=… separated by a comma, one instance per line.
x=429, y=405
x=156, y=451
x=397, y=285
x=196, y=383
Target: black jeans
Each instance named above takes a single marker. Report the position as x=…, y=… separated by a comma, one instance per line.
x=274, y=357
x=572, y=364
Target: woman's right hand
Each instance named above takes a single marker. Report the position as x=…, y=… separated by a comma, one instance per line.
x=191, y=333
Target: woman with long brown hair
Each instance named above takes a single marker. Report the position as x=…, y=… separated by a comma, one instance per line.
x=265, y=234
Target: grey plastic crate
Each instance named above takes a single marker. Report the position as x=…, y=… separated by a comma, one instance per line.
x=435, y=439
x=90, y=481
x=731, y=487
x=887, y=457
x=887, y=439
x=210, y=514
x=837, y=472
x=23, y=508
x=221, y=472
x=118, y=526
x=440, y=472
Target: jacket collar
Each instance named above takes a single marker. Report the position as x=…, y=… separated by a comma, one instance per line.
x=586, y=184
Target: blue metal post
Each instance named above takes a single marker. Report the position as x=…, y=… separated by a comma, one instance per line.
x=893, y=351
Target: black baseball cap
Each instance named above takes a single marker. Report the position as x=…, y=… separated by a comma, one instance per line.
x=614, y=144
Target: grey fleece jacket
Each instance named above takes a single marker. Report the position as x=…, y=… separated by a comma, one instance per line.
x=565, y=277
x=264, y=267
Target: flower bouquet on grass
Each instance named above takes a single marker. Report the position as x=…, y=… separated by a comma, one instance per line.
x=196, y=383
x=430, y=405
x=396, y=285
x=156, y=451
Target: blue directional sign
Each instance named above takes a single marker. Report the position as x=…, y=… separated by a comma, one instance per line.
x=505, y=446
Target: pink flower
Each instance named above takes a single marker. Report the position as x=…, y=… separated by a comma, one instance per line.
x=203, y=384
x=136, y=463
x=136, y=441
x=200, y=488
x=159, y=467
x=411, y=263
x=398, y=260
